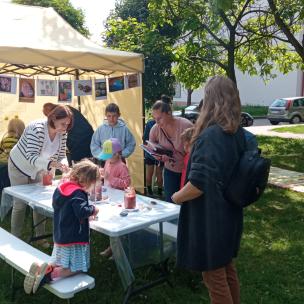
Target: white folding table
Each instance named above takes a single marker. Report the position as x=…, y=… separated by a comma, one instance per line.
x=120, y=229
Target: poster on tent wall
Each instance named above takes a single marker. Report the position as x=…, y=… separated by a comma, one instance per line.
x=82, y=87
x=100, y=89
x=65, y=91
x=8, y=84
x=46, y=87
x=116, y=84
x=132, y=81
x=26, y=90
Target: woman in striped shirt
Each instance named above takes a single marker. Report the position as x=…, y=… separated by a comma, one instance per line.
x=41, y=148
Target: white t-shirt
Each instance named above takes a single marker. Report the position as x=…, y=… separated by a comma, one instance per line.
x=49, y=147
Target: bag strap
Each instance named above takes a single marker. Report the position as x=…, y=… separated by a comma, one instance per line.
x=168, y=139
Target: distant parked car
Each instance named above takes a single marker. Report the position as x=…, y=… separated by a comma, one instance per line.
x=289, y=109
x=192, y=112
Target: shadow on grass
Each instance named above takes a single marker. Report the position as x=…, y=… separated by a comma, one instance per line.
x=270, y=263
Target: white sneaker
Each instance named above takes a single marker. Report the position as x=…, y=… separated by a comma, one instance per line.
x=30, y=278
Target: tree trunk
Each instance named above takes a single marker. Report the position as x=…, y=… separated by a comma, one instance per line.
x=189, y=94
x=231, y=57
x=285, y=29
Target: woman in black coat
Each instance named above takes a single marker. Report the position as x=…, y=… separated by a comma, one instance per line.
x=210, y=227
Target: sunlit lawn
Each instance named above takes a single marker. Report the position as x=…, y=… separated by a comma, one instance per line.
x=270, y=263
x=284, y=153
x=295, y=129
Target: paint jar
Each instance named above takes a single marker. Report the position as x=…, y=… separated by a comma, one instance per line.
x=130, y=198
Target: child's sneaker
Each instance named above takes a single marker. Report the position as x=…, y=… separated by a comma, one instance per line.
x=43, y=277
x=29, y=279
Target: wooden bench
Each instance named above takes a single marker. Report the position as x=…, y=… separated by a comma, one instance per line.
x=21, y=255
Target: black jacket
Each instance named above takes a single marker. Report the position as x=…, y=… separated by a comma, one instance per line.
x=71, y=213
x=79, y=137
x=210, y=228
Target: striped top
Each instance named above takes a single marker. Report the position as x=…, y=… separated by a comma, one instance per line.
x=26, y=154
x=7, y=143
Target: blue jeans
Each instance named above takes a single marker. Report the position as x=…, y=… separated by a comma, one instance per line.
x=172, y=182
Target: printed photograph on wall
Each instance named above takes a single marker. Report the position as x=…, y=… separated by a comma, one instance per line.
x=116, y=84
x=46, y=87
x=82, y=87
x=65, y=91
x=132, y=81
x=100, y=89
x=8, y=84
x=26, y=90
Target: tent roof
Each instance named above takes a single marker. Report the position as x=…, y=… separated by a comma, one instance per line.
x=37, y=40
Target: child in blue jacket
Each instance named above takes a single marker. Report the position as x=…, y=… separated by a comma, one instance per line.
x=71, y=231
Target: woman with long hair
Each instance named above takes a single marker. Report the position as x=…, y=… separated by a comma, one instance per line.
x=40, y=149
x=210, y=227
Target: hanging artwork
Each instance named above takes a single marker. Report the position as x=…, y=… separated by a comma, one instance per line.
x=8, y=84
x=116, y=84
x=100, y=89
x=65, y=91
x=82, y=87
x=26, y=90
x=46, y=87
x=132, y=81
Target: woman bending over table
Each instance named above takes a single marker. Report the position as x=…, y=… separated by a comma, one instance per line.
x=40, y=149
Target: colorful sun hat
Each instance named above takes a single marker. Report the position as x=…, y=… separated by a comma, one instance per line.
x=109, y=148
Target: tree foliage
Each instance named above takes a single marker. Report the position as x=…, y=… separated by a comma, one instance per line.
x=75, y=17
x=213, y=39
x=129, y=29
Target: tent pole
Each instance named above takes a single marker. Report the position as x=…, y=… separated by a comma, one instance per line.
x=144, y=124
x=78, y=97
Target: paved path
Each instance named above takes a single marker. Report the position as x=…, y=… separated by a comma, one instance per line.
x=267, y=131
x=279, y=177
x=286, y=179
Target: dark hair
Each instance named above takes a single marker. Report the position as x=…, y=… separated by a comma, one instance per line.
x=85, y=173
x=166, y=99
x=55, y=112
x=164, y=104
x=112, y=108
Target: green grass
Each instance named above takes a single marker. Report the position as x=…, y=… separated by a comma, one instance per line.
x=284, y=153
x=295, y=129
x=255, y=110
x=270, y=263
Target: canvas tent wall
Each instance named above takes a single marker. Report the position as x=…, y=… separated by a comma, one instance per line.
x=37, y=43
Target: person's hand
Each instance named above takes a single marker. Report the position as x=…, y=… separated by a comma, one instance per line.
x=101, y=171
x=165, y=158
x=54, y=164
x=64, y=168
x=175, y=198
x=96, y=210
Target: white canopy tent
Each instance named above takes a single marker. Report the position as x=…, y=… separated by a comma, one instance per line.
x=40, y=40
x=36, y=42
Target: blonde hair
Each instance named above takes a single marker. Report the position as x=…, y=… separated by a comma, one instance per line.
x=221, y=106
x=85, y=173
x=15, y=127
x=186, y=135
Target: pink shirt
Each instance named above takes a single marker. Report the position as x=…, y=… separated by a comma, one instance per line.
x=118, y=174
x=157, y=136
x=183, y=178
